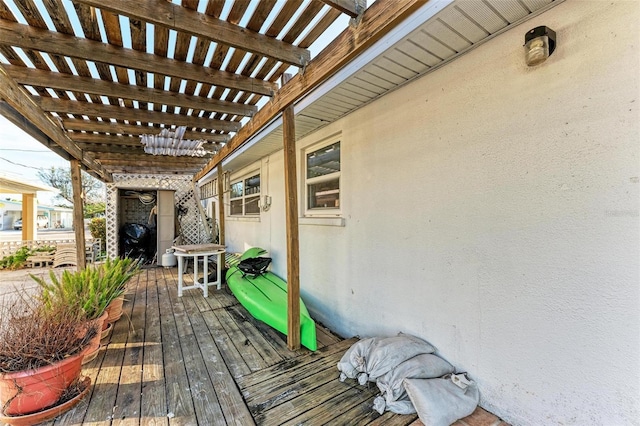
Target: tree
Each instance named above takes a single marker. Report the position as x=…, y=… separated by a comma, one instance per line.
x=60, y=178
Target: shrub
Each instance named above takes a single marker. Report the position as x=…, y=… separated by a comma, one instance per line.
x=98, y=229
x=18, y=259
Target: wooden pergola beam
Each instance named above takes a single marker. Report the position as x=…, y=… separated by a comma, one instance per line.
x=98, y=150
x=113, y=140
x=352, y=8
x=187, y=21
x=63, y=106
x=375, y=22
x=31, y=38
x=149, y=170
x=62, y=81
x=134, y=157
x=133, y=129
x=188, y=166
x=94, y=149
x=18, y=99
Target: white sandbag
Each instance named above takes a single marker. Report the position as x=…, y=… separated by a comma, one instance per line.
x=353, y=362
x=441, y=402
x=423, y=366
x=390, y=352
x=398, y=407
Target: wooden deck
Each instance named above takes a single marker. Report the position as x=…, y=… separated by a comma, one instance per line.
x=197, y=361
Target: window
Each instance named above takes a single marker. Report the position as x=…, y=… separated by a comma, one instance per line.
x=245, y=196
x=322, y=180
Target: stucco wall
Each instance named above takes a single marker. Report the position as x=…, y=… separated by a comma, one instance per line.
x=492, y=209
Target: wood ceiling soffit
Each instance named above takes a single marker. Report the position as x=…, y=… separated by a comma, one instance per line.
x=27, y=37
x=120, y=113
x=133, y=129
x=375, y=22
x=197, y=24
x=61, y=81
x=15, y=96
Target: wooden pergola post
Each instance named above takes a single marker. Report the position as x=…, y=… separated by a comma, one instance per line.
x=78, y=207
x=293, y=246
x=221, y=212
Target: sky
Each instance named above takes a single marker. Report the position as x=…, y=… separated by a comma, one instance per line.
x=21, y=156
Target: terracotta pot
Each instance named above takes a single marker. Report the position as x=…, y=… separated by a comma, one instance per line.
x=25, y=392
x=91, y=351
x=49, y=413
x=107, y=331
x=115, y=309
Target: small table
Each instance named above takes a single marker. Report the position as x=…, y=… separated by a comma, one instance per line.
x=196, y=251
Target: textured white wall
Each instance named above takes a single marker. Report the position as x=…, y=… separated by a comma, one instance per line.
x=492, y=209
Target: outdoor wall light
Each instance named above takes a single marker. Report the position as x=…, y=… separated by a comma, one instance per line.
x=539, y=44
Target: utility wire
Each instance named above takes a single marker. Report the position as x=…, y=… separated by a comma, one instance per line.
x=18, y=164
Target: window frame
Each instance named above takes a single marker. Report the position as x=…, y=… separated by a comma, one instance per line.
x=244, y=197
x=327, y=212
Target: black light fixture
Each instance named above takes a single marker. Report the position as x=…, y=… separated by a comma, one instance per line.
x=539, y=44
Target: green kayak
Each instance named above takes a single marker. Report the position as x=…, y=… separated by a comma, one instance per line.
x=265, y=297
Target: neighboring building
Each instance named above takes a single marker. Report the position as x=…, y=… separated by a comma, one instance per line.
x=488, y=207
x=56, y=217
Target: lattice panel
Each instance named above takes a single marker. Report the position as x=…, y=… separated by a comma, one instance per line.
x=192, y=229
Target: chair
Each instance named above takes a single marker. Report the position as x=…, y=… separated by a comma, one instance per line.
x=65, y=255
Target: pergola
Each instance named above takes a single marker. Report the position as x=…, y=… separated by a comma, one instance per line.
x=76, y=83
x=88, y=77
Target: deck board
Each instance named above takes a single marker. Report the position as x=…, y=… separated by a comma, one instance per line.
x=153, y=410
x=193, y=361
x=180, y=409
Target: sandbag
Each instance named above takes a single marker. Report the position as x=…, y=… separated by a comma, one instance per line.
x=423, y=366
x=399, y=407
x=390, y=352
x=441, y=402
x=353, y=361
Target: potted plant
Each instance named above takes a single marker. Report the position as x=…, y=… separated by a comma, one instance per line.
x=40, y=355
x=87, y=294
x=77, y=292
x=117, y=274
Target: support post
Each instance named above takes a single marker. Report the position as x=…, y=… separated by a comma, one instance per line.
x=291, y=207
x=78, y=216
x=29, y=217
x=221, y=213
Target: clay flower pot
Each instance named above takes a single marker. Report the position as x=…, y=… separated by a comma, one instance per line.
x=115, y=310
x=25, y=392
x=91, y=351
x=107, y=331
